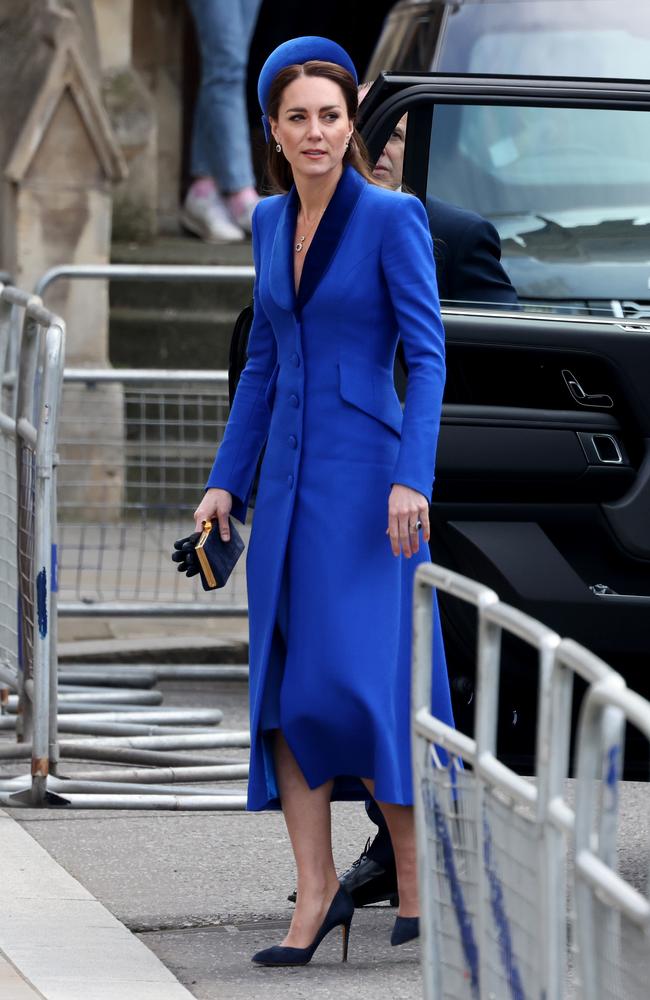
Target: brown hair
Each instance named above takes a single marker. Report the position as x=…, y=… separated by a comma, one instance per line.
x=356, y=155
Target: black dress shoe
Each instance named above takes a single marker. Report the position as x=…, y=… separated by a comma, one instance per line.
x=367, y=881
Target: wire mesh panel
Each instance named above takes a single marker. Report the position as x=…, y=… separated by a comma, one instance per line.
x=135, y=453
x=8, y=577
x=612, y=915
x=25, y=555
x=477, y=851
x=622, y=962
x=10, y=320
x=452, y=870
x=510, y=854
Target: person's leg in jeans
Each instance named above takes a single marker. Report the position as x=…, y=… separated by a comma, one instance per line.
x=221, y=140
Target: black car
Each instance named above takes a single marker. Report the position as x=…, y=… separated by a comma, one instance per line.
x=572, y=217
x=543, y=470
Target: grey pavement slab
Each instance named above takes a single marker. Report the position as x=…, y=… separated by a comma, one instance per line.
x=215, y=963
x=150, y=648
x=60, y=940
x=171, y=870
x=76, y=629
x=13, y=986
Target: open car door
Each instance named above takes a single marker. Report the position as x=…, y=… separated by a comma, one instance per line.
x=543, y=469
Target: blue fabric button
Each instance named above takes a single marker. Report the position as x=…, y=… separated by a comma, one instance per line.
x=294, y=400
x=295, y=360
x=293, y=441
x=289, y=481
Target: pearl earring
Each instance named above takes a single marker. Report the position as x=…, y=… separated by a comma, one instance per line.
x=278, y=147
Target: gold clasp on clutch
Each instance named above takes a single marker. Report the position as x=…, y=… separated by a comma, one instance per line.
x=203, y=559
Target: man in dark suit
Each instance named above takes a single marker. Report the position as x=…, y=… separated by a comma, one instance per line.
x=466, y=246
x=469, y=270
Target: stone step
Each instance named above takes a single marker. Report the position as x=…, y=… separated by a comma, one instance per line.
x=191, y=294
x=176, y=324
x=169, y=338
x=181, y=250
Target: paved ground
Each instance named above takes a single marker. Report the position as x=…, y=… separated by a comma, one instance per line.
x=203, y=891
x=57, y=941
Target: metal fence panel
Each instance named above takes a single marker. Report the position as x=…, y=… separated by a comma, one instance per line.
x=140, y=466
x=495, y=850
x=612, y=917
x=129, y=483
x=129, y=472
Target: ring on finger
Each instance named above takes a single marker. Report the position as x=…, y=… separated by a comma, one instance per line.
x=414, y=528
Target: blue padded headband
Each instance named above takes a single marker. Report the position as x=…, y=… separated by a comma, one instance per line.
x=295, y=52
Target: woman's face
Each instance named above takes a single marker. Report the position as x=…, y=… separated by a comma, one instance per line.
x=312, y=126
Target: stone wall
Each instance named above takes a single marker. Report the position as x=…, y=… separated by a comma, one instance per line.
x=59, y=161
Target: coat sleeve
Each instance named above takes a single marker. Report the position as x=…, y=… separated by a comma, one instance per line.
x=248, y=424
x=409, y=270
x=478, y=274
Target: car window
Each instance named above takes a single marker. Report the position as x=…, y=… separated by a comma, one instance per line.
x=597, y=38
x=567, y=191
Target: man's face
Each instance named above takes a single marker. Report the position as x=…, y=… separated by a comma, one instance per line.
x=390, y=164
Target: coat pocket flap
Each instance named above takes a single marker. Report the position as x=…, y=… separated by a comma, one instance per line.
x=372, y=390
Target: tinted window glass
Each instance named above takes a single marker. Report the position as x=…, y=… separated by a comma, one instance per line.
x=609, y=38
x=567, y=190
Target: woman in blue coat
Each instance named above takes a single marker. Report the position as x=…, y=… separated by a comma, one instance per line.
x=344, y=268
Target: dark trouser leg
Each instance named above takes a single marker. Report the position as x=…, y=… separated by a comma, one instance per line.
x=381, y=849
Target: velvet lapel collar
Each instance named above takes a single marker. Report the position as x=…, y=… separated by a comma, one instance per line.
x=323, y=246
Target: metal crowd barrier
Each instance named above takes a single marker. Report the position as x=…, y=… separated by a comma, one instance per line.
x=122, y=725
x=140, y=479
x=494, y=849
x=28, y=425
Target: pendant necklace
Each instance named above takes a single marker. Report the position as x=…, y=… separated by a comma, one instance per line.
x=301, y=239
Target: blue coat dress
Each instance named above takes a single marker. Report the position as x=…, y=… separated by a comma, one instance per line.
x=329, y=605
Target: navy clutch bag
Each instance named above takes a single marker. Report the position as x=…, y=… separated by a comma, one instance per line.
x=205, y=553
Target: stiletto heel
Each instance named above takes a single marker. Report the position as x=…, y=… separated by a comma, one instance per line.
x=405, y=929
x=345, y=930
x=339, y=915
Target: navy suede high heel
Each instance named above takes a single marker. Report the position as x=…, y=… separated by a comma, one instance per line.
x=405, y=929
x=339, y=915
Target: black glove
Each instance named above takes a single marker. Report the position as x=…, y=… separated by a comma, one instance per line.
x=185, y=554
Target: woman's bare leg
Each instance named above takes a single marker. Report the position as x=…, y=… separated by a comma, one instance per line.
x=308, y=818
x=401, y=826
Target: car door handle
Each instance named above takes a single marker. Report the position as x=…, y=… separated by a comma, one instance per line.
x=600, y=399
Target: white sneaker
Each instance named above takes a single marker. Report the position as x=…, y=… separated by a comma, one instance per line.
x=208, y=217
x=244, y=218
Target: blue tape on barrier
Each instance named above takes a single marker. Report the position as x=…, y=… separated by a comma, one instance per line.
x=19, y=610
x=468, y=943
x=497, y=904
x=54, y=570
x=41, y=602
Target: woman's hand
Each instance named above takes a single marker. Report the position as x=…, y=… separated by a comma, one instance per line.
x=215, y=505
x=407, y=507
